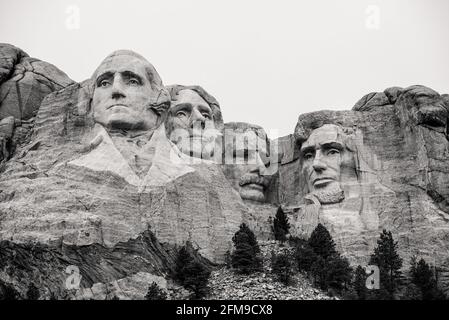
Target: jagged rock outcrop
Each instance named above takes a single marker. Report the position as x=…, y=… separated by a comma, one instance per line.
x=48, y=265
x=114, y=194
x=24, y=82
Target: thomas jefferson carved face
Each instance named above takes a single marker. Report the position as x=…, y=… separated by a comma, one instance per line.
x=325, y=161
x=190, y=124
x=122, y=94
x=247, y=147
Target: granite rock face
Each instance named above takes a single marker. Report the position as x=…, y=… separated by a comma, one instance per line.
x=51, y=195
x=92, y=180
x=393, y=171
x=51, y=192
x=24, y=82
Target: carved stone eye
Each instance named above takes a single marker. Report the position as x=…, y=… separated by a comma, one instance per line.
x=206, y=115
x=332, y=152
x=104, y=83
x=308, y=156
x=134, y=82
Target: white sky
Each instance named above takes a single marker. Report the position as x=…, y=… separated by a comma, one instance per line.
x=265, y=61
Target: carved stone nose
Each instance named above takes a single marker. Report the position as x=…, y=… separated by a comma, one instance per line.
x=117, y=95
x=318, y=165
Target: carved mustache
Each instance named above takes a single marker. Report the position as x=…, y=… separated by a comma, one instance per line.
x=256, y=179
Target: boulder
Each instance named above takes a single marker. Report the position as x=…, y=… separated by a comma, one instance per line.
x=25, y=81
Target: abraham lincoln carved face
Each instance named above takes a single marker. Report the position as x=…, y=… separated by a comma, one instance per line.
x=326, y=161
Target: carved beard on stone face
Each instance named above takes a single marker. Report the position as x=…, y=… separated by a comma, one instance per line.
x=324, y=160
x=190, y=125
x=121, y=95
x=246, y=171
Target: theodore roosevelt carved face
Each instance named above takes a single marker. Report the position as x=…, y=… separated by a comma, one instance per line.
x=247, y=154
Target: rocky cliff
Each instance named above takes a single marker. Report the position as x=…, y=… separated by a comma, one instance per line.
x=24, y=82
x=399, y=150
x=50, y=199
x=70, y=197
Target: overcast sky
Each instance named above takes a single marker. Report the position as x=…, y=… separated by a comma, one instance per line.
x=265, y=61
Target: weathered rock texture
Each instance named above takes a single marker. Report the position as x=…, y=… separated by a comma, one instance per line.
x=401, y=163
x=24, y=82
x=48, y=195
x=226, y=284
x=69, y=197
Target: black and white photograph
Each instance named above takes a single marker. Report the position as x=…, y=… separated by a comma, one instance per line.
x=225, y=155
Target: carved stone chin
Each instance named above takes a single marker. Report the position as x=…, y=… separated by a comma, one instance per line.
x=252, y=193
x=331, y=194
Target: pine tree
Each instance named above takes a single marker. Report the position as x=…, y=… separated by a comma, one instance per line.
x=155, y=293
x=7, y=292
x=245, y=257
x=424, y=279
x=412, y=292
x=318, y=271
x=191, y=274
x=329, y=269
x=280, y=225
x=339, y=272
x=385, y=256
x=321, y=242
x=360, y=282
x=196, y=279
x=32, y=292
x=304, y=255
x=183, y=258
x=282, y=267
x=246, y=235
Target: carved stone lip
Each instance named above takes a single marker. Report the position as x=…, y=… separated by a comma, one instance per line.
x=117, y=105
x=254, y=186
x=254, y=181
x=322, y=181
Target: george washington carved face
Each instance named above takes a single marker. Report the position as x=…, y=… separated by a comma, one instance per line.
x=127, y=93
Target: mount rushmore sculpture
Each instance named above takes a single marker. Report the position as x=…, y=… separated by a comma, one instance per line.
x=113, y=174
